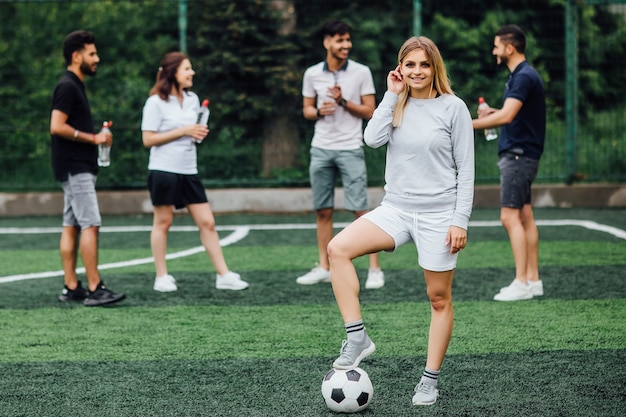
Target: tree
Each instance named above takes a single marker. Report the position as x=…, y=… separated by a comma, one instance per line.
x=280, y=130
x=249, y=62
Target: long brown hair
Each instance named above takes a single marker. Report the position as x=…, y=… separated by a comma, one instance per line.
x=441, y=81
x=166, y=76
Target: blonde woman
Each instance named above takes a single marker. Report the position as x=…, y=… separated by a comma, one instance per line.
x=428, y=198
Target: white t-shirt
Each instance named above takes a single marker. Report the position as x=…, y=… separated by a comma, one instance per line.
x=342, y=130
x=178, y=156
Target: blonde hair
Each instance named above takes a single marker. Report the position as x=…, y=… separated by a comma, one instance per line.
x=441, y=81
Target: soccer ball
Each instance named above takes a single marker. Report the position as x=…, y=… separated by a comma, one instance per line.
x=347, y=391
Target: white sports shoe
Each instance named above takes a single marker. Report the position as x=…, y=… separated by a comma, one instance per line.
x=230, y=281
x=166, y=283
x=314, y=276
x=375, y=279
x=352, y=353
x=536, y=287
x=516, y=291
x=425, y=394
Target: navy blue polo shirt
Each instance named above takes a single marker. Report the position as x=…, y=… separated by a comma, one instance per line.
x=527, y=131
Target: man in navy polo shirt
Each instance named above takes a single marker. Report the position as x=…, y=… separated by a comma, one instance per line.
x=523, y=121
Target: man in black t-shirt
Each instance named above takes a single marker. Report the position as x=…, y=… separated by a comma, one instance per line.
x=74, y=163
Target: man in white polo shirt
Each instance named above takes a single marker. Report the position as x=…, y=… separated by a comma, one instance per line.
x=338, y=94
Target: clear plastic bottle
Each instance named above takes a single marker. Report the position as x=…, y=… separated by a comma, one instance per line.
x=490, y=134
x=203, y=114
x=104, y=151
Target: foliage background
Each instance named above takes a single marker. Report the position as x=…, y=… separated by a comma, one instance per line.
x=252, y=74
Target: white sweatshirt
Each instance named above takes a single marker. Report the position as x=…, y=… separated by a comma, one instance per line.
x=430, y=156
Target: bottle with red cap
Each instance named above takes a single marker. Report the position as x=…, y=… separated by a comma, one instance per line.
x=203, y=114
x=104, y=151
x=490, y=134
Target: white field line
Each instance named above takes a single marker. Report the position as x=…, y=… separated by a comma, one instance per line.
x=240, y=232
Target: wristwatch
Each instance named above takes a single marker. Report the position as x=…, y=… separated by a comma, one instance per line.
x=319, y=115
x=343, y=102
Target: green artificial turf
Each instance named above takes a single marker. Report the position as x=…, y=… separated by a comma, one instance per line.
x=264, y=351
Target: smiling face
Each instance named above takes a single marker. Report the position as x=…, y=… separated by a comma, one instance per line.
x=417, y=73
x=184, y=74
x=338, y=46
x=500, y=51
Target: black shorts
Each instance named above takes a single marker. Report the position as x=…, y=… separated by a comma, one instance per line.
x=178, y=190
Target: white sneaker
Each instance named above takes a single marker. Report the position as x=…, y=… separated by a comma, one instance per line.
x=166, y=283
x=352, y=353
x=425, y=394
x=375, y=279
x=536, y=287
x=230, y=281
x=314, y=276
x=515, y=292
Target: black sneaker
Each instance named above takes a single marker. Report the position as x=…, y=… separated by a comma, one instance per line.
x=102, y=296
x=78, y=294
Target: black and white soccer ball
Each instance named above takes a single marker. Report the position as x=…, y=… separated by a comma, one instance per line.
x=347, y=391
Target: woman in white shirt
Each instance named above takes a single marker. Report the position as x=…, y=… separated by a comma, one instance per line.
x=170, y=130
x=429, y=188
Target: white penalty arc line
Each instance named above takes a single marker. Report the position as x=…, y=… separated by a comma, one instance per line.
x=239, y=233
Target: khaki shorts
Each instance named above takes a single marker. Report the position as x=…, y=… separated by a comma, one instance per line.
x=325, y=165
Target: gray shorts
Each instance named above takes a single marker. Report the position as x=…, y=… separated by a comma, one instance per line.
x=80, y=203
x=427, y=230
x=517, y=173
x=323, y=170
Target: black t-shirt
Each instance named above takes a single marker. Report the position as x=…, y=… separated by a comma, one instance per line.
x=68, y=156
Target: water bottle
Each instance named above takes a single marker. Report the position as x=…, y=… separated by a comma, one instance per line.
x=104, y=151
x=490, y=134
x=330, y=118
x=203, y=114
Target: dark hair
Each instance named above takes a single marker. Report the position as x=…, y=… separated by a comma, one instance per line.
x=166, y=76
x=514, y=35
x=76, y=41
x=335, y=27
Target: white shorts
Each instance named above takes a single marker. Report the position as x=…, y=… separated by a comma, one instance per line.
x=427, y=230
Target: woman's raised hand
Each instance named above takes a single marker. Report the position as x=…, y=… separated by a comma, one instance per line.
x=395, y=82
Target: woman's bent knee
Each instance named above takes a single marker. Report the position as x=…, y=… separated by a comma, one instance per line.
x=336, y=251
